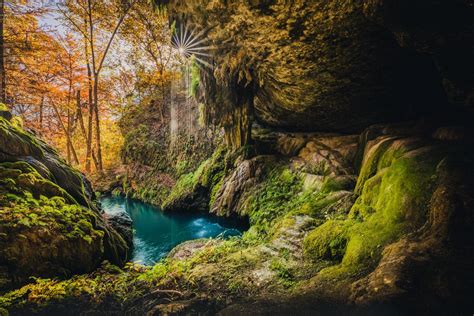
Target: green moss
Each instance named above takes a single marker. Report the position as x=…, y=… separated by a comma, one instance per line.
x=327, y=241
x=393, y=202
x=110, y=284
x=282, y=271
x=18, y=215
x=311, y=203
x=213, y=170
x=195, y=77
x=107, y=282
x=274, y=198
x=370, y=163
x=184, y=186
x=215, y=189
x=209, y=176
x=20, y=177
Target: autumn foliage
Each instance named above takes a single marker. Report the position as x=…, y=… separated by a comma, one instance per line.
x=71, y=68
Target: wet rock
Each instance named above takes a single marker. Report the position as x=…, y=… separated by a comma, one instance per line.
x=328, y=155
x=312, y=182
x=189, y=248
x=192, y=200
x=122, y=223
x=290, y=237
x=231, y=195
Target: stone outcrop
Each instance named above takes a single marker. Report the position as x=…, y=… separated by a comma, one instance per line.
x=388, y=208
x=49, y=222
x=235, y=187
x=333, y=65
x=429, y=267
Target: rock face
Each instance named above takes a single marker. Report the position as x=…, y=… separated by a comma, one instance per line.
x=429, y=266
x=49, y=223
x=231, y=194
x=335, y=65
x=388, y=207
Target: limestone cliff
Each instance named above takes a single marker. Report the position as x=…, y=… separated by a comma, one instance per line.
x=331, y=65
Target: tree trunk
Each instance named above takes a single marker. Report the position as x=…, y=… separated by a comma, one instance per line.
x=97, y=124
x=89, y=123
x=3, y=81
x=41, y=115
x=66, y=131
x=82, y=125
x=67, y=137
x=70, y=146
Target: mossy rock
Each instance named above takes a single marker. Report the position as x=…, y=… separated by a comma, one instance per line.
x=327, y=242
x=16, y=144
x=47, y=230
x=194, y=191
x=396, y=184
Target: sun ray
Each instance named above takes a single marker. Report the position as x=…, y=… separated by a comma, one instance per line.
x=181, y=35
x=203, y=62
x=198, y=53
x=197, y=43
x=196, y=37
x=202, y=48
x=185, y=39
x=189, y=44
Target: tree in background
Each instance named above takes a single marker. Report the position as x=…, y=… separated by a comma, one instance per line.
x=88, y=17
x=148, y=33
x=3, y=96
x=18, y=33
x=72, y=85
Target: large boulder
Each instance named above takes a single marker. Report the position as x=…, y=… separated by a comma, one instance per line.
x=49, y=224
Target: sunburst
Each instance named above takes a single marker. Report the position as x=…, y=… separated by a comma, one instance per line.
x=189, y=44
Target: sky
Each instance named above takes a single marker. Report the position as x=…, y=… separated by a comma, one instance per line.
x=52, y=21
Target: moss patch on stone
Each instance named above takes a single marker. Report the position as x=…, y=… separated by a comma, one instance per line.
x=20, y=177
x=273, y=198
x=327, y=242
x=393, y=201
x=204, y=181
x=48, y=224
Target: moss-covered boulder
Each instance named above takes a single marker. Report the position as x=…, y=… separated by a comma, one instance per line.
x=49, y=225
x=17, y=144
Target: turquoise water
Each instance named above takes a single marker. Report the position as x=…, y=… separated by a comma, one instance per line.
x=156, y=233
